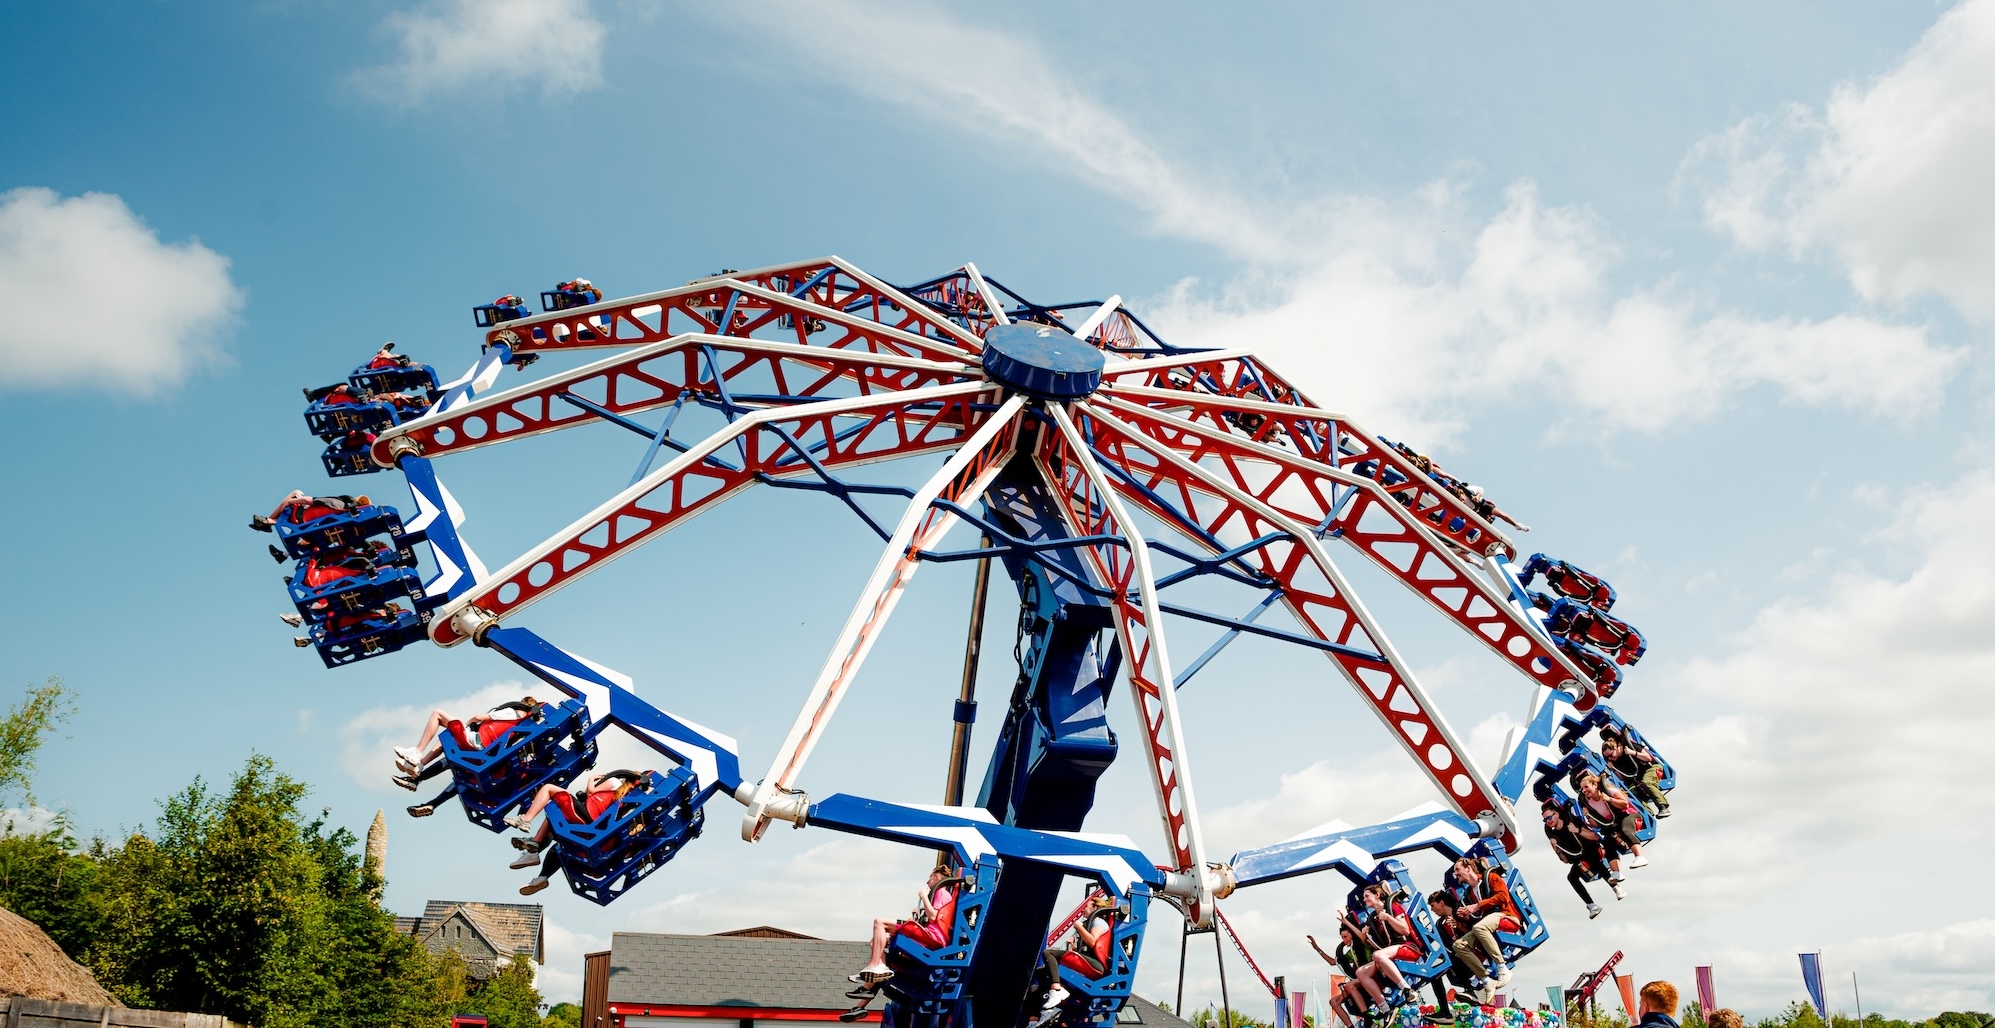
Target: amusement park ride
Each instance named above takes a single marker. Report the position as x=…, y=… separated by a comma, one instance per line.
x=1060, y=426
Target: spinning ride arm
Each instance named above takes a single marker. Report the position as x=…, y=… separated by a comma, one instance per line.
x=962, y=480
x=858, y=312
x=1321, y=601
x=1335, y=502
x=774, y=443
x=697, y=367
x=1230, y=393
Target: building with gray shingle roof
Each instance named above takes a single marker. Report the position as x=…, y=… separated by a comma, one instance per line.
x=781, y=977
x=486, y=935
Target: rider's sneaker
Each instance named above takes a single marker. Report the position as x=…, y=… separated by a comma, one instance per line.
x=292, y=619
x=407, y=755
x=1619, y=892
x=301, y=642
x=524, y=861
x=519, y=821
x=1662, y=810
x=261, y=523
x=527, y=843
x=1634, y=862
x=1592, y=911
x=539, y=882
x=406, y=782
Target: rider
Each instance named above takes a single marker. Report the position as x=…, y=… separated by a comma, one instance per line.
x=599, y=792
x=935, y=907
x=300, y=507
x=1086, y=955
x=1569, y=581
x=488, y=728
x=583, y=287
x=386, y=357
x=1486, y=908
x=1352, y=953
x=1388, y=929
x=1581, y=849
x=1636, y=767
x=1610, y=812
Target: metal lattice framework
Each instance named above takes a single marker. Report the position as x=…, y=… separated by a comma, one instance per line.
x=817, y=368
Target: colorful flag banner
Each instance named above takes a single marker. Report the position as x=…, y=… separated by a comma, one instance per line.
x=1298, y=1005
x=1707, y=991
x=1627, y=984
x=1811, y=976
x=1557, y=994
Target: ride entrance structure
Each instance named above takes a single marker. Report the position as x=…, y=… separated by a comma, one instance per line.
x=1057, y=428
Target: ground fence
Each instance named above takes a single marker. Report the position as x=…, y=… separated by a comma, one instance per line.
x=21, y=1012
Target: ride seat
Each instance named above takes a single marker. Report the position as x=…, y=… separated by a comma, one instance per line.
x=929, y=979
x=1097, y=999
x=551, y=747
x=645, y=828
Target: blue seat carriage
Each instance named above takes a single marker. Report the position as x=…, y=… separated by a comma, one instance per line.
x=347, y=529
x=1434, y=960
x=1603, y=717
x=1531, y=932
x=552, y=746
x=360, y=592
x=927, y=989
x=1098, y=1001
x=564, y=299
x=340, y=642
x=349, y=455
x=632, y=838
x=500, y=311
x=1604, y=673
x=329, y=420
x=411, y=378
x=1584, y=623
x=1552, y=781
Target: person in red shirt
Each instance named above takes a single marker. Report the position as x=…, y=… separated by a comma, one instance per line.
x=598, y=794
x=476, y=732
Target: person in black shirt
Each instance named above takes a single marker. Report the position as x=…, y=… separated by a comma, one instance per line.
x=1581, y=849
x=1352, y=953
x=1637, y=768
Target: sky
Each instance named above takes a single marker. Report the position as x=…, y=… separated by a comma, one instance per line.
x=1699, y=291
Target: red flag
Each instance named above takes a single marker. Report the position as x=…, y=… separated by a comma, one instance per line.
x=1707, y=991
x=1627, y=984
x=1298, y=1002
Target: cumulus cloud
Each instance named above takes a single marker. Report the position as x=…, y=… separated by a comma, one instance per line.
x=1890, y=176
x=489, y=47
x=95, y=299
x=1381, y=298
x=995, y=86
x=1415, y=330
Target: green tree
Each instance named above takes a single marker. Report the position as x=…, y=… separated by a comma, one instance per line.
x=508, y=998
x=562, y=1015
x=21, y=731
x=45, y=878
x=235, y=906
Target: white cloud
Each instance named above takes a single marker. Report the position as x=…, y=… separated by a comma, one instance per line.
x=1383, y=300
x=560, y=979
x=1890, y=176
x=1416, y=331
x=490, y=47
x=833, y=890
x=998, y=88
x=94, y=299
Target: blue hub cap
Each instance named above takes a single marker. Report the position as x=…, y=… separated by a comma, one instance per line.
x=1042, y=361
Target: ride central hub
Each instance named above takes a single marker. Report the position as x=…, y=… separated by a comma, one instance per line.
x=1042, y=361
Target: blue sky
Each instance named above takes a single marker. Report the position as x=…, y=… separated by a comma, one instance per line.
x=1701, y=293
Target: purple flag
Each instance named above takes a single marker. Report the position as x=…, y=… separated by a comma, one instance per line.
x=1811, y=976
x=1707, y=992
